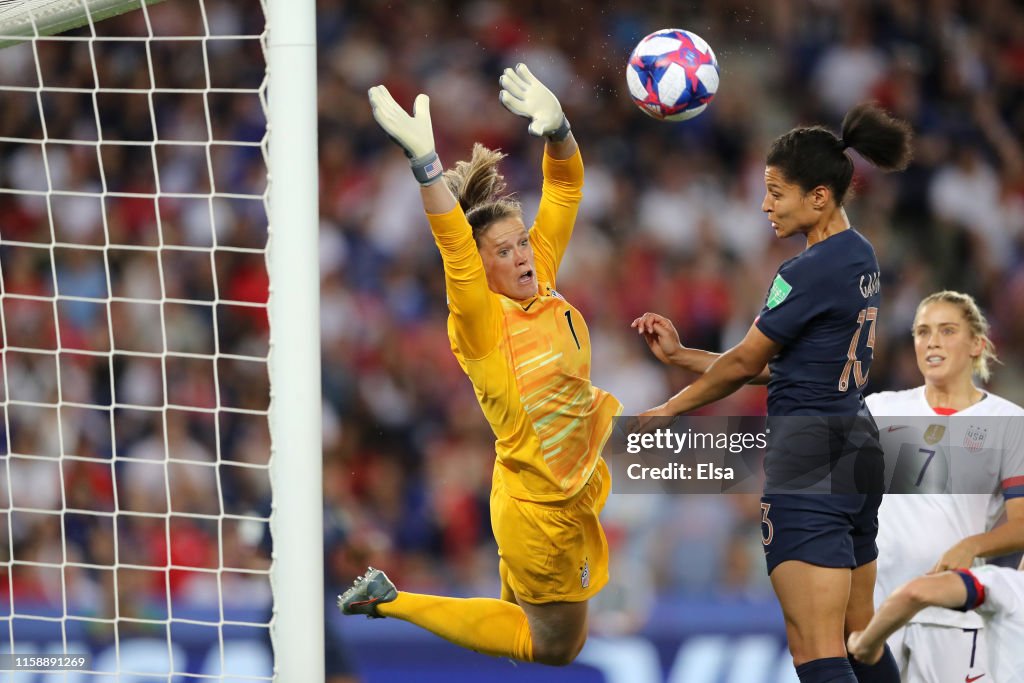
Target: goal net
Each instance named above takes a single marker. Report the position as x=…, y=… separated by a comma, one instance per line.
x=30, y=18
x=135, y=479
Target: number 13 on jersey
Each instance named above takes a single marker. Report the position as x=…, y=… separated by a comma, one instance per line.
x=870, y=315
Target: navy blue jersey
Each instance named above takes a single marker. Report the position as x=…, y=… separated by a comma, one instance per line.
x=822, y=309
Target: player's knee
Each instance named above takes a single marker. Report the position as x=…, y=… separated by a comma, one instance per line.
x=557, y=651
x=810, y=646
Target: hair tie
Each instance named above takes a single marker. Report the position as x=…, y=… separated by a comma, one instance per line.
x=843, y=144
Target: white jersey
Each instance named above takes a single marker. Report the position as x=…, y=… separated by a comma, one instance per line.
x=972, y=460
x=1002, y=608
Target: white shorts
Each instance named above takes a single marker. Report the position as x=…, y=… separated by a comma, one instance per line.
x=928, y=653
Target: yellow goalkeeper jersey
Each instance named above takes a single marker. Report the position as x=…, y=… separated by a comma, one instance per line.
x=529, y=361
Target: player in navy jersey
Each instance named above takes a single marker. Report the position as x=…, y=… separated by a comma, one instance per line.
x=813, y=343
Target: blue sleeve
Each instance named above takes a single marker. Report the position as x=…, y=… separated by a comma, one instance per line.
x=1012, y=473
x=794, y=299
x=975, y=590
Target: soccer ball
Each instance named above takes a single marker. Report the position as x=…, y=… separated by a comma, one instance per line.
x=672, y=74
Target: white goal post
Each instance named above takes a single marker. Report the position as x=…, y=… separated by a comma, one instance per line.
x=295, y=345
x=160, y=454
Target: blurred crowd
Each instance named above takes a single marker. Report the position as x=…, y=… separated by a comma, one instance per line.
x=670, y=222
x=134, y=383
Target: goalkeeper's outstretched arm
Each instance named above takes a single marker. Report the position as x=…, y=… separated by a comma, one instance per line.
x=415, y=135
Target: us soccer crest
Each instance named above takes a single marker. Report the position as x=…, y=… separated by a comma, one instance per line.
x=974, y=440
x=934, y=433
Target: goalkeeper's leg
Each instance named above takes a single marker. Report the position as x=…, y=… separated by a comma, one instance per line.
x=554, y=557
x=551, y=633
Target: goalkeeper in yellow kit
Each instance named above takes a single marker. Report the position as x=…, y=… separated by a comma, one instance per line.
x=527, y=352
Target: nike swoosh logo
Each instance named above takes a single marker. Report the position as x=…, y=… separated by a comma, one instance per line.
x=971, y=679
x=360, y=603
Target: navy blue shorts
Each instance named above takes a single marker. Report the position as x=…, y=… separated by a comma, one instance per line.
x=827, y=530
x=824, y=477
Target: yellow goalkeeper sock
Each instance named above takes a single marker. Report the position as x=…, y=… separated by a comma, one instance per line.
x=492, y=627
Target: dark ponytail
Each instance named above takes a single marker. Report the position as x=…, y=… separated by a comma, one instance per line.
x=813, y=156
x=878, y=137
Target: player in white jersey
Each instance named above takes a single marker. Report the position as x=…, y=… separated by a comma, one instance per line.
x=996, y=596
x=962, y=449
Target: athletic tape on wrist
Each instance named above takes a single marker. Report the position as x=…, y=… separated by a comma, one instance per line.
x=427, y=168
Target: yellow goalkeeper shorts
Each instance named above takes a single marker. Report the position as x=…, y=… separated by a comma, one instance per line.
x=553, y=552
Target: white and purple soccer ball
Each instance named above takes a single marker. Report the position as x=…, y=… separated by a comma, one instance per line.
x=672, y=74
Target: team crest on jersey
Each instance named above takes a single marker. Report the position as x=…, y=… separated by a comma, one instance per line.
x=974, y=440
x=778, y=293
x=934, y=433
x=585, y=573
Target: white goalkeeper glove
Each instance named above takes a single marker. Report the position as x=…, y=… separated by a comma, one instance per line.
x=523, y=95
x=412, y=133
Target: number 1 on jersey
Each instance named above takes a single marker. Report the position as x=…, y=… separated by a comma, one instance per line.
x=568, y=318
x=869, y=314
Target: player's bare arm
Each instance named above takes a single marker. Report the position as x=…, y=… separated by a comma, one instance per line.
x=942, y=590
x=561, y=149
x=726, y=374
x=663, y=340
x=1002, y=540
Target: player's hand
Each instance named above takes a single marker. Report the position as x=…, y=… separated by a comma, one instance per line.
x=413, y=134
x=855, y=645
x=660, y=334
x=524, y=95
x=960, y=556
x=650, y=420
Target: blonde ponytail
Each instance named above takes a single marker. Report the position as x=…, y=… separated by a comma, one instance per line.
x=479, y=188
